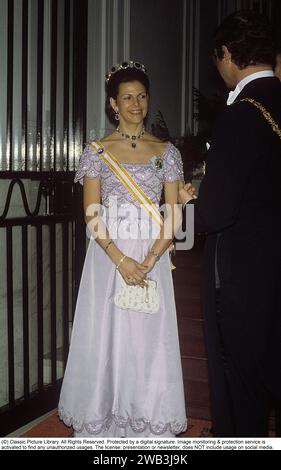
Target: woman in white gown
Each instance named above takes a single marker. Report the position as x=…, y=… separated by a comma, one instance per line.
x=123, y=376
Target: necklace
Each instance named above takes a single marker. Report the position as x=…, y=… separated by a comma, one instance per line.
x=133, y=138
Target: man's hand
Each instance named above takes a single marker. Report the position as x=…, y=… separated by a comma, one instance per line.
x=186, y=193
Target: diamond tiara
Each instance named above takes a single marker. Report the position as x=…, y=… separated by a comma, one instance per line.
x=125, y=65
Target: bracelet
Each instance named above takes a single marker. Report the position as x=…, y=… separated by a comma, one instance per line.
x=154, y=253
x=109, y=243
x=121, y=261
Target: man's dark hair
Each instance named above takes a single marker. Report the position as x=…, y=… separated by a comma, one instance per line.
x=249, y=38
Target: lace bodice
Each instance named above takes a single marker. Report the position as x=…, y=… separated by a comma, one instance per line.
x=148, y=176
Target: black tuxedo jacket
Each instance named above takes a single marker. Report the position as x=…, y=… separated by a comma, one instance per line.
x=240, y=199
x=242, y=181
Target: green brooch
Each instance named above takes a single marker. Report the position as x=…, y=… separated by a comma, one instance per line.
x=156, y=162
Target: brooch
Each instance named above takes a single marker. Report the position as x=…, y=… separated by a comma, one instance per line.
x=156, y=162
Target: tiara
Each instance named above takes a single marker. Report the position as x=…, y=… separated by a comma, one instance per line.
x=125, y=65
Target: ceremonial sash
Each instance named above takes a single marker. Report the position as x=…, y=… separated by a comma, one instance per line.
x=128, y=182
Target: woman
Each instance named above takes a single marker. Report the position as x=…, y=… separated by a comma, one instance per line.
x=123, y=377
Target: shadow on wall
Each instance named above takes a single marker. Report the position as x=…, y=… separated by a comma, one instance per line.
x=193, y=147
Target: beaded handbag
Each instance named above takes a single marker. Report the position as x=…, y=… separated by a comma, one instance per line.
x=142, y=299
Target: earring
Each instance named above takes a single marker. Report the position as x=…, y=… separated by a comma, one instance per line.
x=117, y=117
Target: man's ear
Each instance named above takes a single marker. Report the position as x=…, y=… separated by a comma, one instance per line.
x=226, y=54
x=113, y=104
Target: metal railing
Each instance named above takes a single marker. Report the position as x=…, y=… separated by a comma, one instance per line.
x=37, y=297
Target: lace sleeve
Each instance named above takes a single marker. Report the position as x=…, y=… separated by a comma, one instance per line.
x=89, y=165
x=173, y=166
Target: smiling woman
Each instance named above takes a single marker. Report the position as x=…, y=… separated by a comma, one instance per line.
x=127, y=107
x=130, y=107
x=127, y=95
x=123, y=376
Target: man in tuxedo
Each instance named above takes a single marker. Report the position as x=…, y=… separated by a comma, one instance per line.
x=238, y=206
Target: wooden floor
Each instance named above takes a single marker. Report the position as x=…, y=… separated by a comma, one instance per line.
x=187, y=279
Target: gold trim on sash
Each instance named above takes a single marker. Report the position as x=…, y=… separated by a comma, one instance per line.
x=133, y=187
x=266, y=115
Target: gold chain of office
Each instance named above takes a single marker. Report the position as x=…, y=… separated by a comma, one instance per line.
x=266, y=115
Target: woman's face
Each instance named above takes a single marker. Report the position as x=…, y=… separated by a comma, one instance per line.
x=131, y=102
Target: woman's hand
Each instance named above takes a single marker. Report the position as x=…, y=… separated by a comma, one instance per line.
x=132, y=272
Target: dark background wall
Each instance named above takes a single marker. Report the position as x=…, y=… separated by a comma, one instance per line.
x=208, y=23
x=156, y=40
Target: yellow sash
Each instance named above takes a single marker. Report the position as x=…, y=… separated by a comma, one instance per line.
x=128, y=182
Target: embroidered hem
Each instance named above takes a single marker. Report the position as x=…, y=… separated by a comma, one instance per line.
x=137, y=424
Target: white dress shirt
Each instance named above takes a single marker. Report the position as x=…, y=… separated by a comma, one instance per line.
x=240, y=85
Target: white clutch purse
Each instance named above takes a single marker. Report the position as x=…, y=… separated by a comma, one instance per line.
x=142, y=299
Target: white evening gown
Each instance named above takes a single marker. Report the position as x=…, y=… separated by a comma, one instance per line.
x=123, y=376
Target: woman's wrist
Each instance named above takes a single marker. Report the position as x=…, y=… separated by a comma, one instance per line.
x=120, y=262
x=114, y=253
x=154, y=254
x=150, y=260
